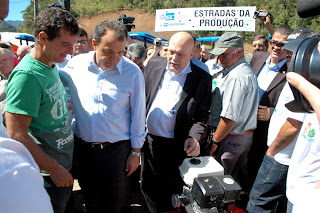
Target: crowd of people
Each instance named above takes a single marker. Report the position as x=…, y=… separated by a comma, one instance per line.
x=97, y=115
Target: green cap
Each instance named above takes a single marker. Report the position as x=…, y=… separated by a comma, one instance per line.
x=229, y=39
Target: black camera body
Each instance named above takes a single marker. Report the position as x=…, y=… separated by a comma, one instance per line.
x=260, y=14
x=161, y=43
x=304, y=61
x=127, y=20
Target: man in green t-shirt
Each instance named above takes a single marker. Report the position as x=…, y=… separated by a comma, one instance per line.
x=37, y=112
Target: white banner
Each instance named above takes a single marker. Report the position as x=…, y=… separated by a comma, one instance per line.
x=206, y=19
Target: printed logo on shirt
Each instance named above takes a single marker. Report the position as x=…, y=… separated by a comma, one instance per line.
x=59, y=108
x=64, y=141
x=309, y=133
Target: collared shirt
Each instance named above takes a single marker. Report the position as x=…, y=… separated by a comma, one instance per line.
x=109, y=104
x=200, y=64
x=267, y=74
x=236, y=98
x=161, y=118
x=215, y=71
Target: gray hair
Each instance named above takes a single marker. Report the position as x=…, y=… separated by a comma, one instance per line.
x=6, y=51
x=235, y=49
x=136, y=50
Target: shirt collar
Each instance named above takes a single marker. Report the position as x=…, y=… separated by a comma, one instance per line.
x=118, y=66
x=185, y=71
x=277, y=66
x=240, y=61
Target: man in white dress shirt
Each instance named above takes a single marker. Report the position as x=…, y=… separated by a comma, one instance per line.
x=108, y=96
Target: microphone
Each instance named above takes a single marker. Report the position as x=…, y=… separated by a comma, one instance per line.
x=308, y=8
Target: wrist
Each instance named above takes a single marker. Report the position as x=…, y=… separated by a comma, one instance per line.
x=135, y=153
x=215, y=142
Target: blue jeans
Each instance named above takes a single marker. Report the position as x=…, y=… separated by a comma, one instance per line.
x=59, y=196
x=269, y=189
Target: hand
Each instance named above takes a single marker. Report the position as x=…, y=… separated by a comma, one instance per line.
x=132, y=164
x=61, y=177
x=266, y=20
x=70, y=106
x=192, y=147
x=269, y=153
x=263, y=113
x=308, y=90
x=156, y=48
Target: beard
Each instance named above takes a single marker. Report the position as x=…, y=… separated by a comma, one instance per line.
x=174, y=70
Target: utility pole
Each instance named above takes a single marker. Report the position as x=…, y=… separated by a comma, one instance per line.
x=67, y=5
x=35, y=9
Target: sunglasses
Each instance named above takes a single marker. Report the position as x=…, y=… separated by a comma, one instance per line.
x=278, y=44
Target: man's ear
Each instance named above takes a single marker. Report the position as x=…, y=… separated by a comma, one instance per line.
x=94, y=44
x=42, y=36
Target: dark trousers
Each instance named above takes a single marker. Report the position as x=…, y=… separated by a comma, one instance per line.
x=103, y=177
x=59, y=196
x=160, y=173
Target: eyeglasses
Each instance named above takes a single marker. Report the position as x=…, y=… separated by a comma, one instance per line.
x=278, y=44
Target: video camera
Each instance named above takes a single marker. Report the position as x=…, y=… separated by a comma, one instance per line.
x=211, y=191
x=305, y=58
x=127, y=21
x=161, y=43
x=260, y=14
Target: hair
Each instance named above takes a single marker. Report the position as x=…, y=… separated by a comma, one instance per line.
x=113, y=25
x=83, y=32
x=197, y=45
x=6, y=51
x=136, y=50
x=261, y=36
x=6, y=45
x=235, y=49
x=283, y=30
x=52, y=19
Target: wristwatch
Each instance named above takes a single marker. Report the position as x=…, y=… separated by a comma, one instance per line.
x=214, y=142
x=136, y=153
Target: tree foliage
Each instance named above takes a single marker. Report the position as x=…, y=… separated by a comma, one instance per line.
x=5, y=27
x=283, y=12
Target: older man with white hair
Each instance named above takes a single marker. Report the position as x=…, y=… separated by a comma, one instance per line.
x=234, y=105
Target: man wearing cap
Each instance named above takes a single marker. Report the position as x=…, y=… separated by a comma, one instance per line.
x=178, y=95
x=270, y=70
x=282, y=135
x=234, y=105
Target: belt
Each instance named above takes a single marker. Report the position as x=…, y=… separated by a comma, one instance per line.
x=245, y=133
x=103, y=145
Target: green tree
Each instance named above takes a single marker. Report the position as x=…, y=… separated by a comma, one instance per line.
x=5, y=27
x=283, y=12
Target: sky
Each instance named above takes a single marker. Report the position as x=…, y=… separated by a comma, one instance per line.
x=15, y=8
